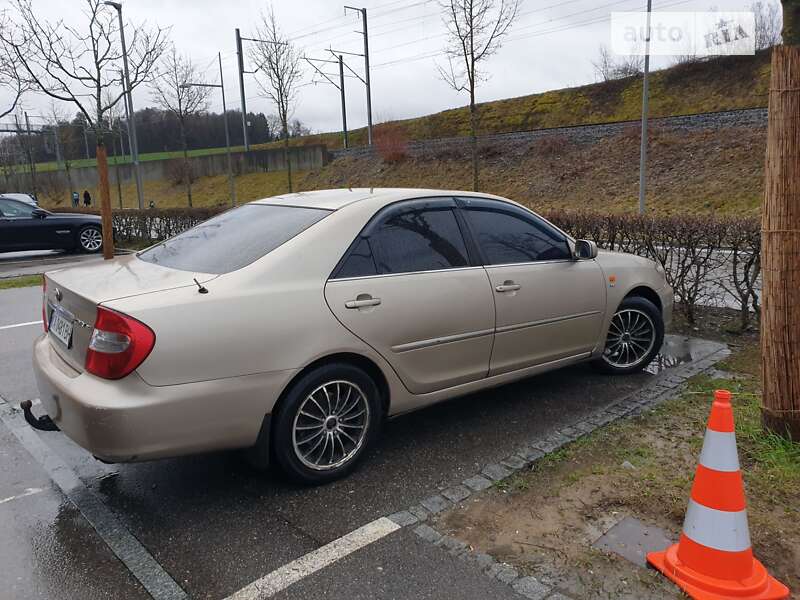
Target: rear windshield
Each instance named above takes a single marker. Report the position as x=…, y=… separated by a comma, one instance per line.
x=233, y=239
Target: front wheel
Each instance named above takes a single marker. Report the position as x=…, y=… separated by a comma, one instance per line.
x=635, y=336
x=325, y=423
x=90, y=239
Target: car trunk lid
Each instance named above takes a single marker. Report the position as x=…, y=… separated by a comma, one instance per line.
x=75, y=294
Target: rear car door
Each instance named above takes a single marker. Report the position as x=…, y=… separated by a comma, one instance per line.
x=549, y=306
x=409, y=288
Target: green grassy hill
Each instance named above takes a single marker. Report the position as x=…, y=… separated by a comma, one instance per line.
x=722, y=84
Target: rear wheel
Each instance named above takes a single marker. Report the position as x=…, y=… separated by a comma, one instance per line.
x=635, y=335
x=325, y=423
x=90, y=239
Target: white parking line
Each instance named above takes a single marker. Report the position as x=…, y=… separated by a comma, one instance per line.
x=27, y=492
x=20, y=325
x=292, y=572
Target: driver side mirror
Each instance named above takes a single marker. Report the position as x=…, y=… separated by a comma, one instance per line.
x=39, y=213
x=585, y=250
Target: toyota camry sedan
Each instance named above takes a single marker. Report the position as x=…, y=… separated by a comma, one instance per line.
x=293, y=326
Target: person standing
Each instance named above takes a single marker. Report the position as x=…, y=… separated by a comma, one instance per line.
x=87, y=198
x=75, y=199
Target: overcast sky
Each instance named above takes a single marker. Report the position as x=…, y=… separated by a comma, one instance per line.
x=550, y=45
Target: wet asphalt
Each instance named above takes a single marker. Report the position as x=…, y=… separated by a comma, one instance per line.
x=214, y=524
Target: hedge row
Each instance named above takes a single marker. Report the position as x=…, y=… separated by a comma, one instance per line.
x=708, y=260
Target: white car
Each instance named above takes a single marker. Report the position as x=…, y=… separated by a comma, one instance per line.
x=293, y=325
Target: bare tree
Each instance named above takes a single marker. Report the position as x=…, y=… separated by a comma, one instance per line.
x=768, y=23
x=82, y=65
x=475, y=29
x=64, y=139
x=12, y=81
x=608, y=67
x=278, y=76
x=172, y=92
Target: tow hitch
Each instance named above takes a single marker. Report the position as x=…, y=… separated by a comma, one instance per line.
x=44, y=423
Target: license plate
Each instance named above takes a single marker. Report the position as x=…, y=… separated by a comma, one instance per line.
x=61, y=327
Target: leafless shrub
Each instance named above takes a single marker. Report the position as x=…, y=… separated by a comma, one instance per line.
x=707, y=260
x=609, y=67
x=744, y=267
x=391, y=142
x=179, y=172
x=768, y=23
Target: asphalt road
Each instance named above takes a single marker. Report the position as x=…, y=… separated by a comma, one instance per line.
x=214, y=525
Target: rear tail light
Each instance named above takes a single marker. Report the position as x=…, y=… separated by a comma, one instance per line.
x=119, y=344
x=44, y=303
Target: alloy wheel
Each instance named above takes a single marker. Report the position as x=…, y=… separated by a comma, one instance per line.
x=91, y=239
x=331, y=425
x=631, y=337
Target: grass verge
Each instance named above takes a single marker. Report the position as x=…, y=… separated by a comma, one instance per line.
x=544, y=520
x=19, y=282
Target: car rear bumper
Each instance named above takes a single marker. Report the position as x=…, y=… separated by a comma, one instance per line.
x=129, y=420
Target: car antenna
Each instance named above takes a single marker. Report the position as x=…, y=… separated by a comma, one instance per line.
x=200, y=287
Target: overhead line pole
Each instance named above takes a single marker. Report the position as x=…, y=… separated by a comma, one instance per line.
x=221, y=87
x=340, y=87
x=364, y=32
x=645, y=111
x=30, y=154
x=344, y=104
x=240, y=59
x=134, y=140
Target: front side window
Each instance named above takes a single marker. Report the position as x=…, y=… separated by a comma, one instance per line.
x=507, y=238
x=425, y=239
x=233, y=239
x=11, y=209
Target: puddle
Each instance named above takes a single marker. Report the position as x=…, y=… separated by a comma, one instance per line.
x=679, y=350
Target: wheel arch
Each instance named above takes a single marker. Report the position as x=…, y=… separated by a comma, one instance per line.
x=647, y=293
x=358, y=360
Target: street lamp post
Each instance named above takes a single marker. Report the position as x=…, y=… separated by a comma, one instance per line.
x=221, y=86
x=132, y=117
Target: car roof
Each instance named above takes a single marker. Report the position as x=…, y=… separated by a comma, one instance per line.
x=339, y=198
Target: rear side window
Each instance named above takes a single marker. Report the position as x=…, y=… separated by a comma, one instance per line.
x=418, y=240
x=233, y=239
x=506, y=238
x=359, y=262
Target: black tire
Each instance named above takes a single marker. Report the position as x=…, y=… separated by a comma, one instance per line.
x=613, y=359
x=290, y=456
x=87, y=239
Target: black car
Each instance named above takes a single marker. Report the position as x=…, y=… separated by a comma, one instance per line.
x=27, y=227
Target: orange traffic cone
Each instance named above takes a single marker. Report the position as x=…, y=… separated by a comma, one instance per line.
x=713, y=559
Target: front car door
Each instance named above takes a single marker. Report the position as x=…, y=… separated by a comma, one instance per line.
x=549, y=306
x=409, y=288
x=19, y=229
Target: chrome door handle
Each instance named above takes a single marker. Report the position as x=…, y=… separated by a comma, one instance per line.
x=362, y=302
x=508, y=286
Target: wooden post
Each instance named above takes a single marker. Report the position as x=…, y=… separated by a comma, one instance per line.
x=105, y=202
x=780, y=249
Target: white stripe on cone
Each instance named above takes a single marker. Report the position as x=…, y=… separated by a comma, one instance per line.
x=719, y=451
x=718, y=529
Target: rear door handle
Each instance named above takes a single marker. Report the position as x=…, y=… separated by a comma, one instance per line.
x=508, y=286
x=362, y=302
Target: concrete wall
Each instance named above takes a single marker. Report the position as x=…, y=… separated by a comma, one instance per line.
x=302, y=158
